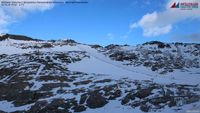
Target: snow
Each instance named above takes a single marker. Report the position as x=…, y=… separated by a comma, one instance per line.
x=65, y=48
x=116, y=107
x=100, y=67
x=4, y=79
x=99, y=63
x=37, y=84
x=12, y=50
x=39, y=70
x=9, y=107
x=112, y=107
x=10, y=46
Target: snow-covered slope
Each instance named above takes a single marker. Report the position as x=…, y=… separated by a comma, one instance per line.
x=66, y=76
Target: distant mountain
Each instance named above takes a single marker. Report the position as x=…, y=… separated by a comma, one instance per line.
x=16, y=37
x=66, y=76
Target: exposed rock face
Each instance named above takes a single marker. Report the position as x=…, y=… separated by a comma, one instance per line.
x=96, y=100
x=157, y=56
x=159, y=44
x=16, y=37
x=79, y=108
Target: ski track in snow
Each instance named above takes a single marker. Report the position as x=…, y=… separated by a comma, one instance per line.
x=37, y=84
x=39, y=70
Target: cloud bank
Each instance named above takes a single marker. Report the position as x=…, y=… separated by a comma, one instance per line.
x=11, y=14
x=161, y=22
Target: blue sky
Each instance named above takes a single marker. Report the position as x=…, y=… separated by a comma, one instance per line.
x=109, y=21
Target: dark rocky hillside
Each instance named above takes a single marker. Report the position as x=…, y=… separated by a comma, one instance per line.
x=157, y=56
x=17, y=37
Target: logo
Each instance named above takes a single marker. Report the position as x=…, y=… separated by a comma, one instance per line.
x=185, y=5
x=175, y=5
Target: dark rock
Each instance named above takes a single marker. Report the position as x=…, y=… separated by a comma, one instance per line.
x=111, y=46
x=172, y=103
x=47, y=45
x=17, y=37
x=78, y=90
x=6, y=72
x=68, y=41
x=55, y=107
x=160, y=100
x=108, y=88
x=127, y=98
x=192, y=99
x=58, y=78
x=28, y=97
x=147, y=64
x=38, y=106
x=114, y=95
x=79, y=108
x=121, y=56
x=103, y=81
x=144, y=108
x=2, y=111
x=50, y=86
x=83, y=82
x=160, y=44
x=95, y=46
x=96, y=100
x=83, y=98
x=143, y=93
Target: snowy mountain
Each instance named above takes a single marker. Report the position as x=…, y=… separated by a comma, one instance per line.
x=67, y=76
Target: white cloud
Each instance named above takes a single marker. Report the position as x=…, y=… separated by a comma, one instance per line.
x=110, y=36
x=10, y=14
x=158, y=23
x=134, y=25
x=4, y=21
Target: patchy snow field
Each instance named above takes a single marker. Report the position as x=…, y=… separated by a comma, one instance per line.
x=74, y=77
